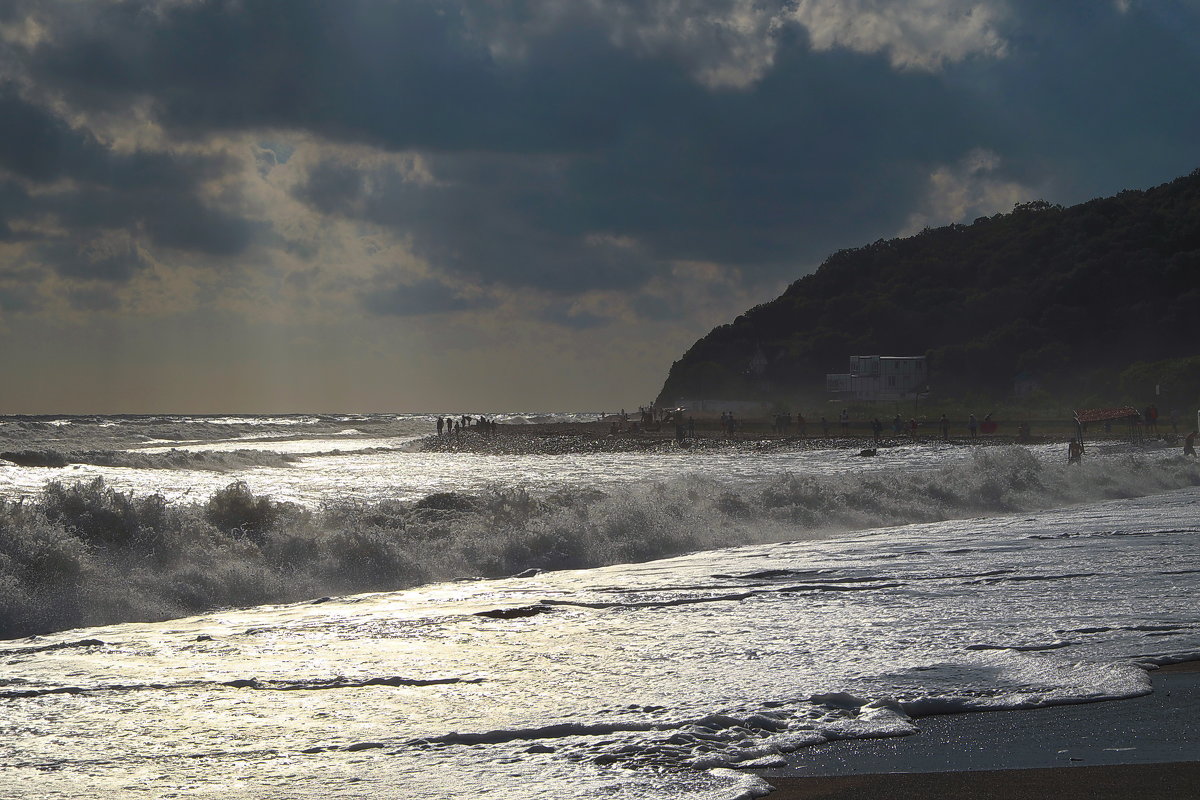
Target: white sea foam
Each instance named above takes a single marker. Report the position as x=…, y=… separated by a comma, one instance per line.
x=640, y=680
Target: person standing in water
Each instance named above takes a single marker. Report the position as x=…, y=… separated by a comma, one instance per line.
x=1189, y=445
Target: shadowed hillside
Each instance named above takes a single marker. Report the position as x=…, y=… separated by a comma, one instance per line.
x=1082, y=298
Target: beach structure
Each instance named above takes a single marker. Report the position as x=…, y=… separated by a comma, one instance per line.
x=1127, y=415
x=872, y=378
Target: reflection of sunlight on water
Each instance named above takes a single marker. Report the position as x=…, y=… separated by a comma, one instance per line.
x=700, y=660
x=692, y=662
x=283, y=445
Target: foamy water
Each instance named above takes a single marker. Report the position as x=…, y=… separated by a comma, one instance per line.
x=1019, y=582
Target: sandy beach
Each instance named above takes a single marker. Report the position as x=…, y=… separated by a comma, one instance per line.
x=1146, y=748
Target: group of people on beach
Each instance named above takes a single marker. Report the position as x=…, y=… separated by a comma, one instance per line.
x=452, y=427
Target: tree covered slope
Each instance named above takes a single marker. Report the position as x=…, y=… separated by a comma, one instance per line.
x=1059, y=293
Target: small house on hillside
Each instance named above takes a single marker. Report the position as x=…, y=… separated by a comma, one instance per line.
x=874, y=378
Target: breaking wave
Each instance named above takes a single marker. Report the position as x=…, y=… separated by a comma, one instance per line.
x=218, y=461
x=85, y=554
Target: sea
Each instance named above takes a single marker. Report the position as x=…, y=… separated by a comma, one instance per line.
x=316, y=606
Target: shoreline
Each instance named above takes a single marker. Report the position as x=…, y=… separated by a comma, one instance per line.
x=1145, y=747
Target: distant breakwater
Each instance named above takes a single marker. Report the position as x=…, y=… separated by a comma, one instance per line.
x=576, y=438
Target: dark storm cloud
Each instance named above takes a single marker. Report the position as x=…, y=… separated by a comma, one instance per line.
x=1097, y=102
x=417, y=299
x=573, y=320
x=93, y=298
x=37, y=145
x=150, y=193
x=18, y=299
x=811, y=158
x=779, y=173
x=397, y=74
x=115, y=265
x=565, y=158
x=13, y=200
x=505, y=220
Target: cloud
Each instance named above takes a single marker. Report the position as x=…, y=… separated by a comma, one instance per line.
x=757, y=135
x=87, y=187
x=918, y=34
x=966, y=190
x=93, y=298
x=573, y=317
x=420, y=298
x=113, y=259
x=645, y=168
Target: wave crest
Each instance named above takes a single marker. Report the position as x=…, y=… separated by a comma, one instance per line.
x=84, y=554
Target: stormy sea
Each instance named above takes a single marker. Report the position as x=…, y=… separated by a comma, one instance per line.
x=323, y=606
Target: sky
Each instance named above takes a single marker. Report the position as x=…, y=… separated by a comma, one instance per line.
x=220, y=206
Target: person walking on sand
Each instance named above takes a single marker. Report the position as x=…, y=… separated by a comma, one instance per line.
x=825, y=427
x=876, y=429
x=972, y=425
x=945, y=423
x=912, y=428
x=1189, y=445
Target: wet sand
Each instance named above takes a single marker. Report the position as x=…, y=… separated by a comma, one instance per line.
x=1175, y=781
x=1145, y=748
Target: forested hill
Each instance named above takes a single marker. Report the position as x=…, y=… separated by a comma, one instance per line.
x=1072, y=296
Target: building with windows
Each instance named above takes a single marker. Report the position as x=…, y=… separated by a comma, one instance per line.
x=880, y=378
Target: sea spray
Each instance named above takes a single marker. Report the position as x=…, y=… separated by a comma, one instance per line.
x=85, y=554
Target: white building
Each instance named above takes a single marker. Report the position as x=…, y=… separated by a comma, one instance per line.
x=880, y=378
